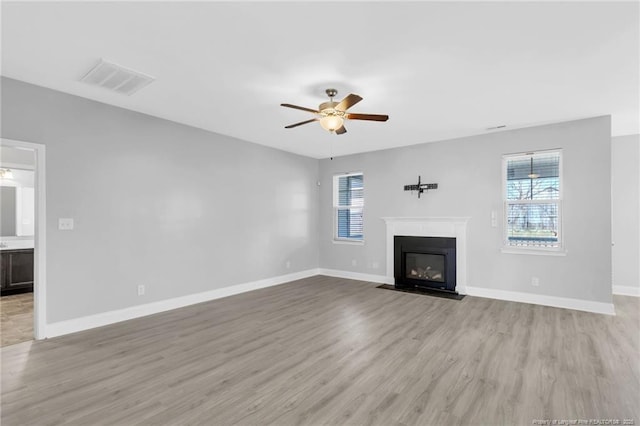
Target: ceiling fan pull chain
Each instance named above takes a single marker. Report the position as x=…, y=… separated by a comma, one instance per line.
x=331, y=149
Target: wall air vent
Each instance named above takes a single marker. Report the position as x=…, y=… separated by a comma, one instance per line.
x=116, y=78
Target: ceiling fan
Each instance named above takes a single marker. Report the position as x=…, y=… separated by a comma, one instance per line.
x=331, y=115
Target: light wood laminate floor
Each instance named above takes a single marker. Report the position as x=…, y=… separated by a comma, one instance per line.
x=16, y=318
x=328, y=351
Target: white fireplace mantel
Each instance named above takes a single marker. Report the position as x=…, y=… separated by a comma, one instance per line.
x=450, y=227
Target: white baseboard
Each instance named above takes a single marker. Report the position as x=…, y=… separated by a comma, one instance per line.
x=540, y=299
x=98, y=320
x=512, y=296
x=382, y=279
x=105, y=318
x=623, y=290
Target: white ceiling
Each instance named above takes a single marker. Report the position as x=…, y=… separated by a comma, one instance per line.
x=439, y=69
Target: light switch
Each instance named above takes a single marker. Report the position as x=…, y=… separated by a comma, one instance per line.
x=65, y=224
x=494, y=219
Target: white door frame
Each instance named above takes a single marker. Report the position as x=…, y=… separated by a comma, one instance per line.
x=40, y=237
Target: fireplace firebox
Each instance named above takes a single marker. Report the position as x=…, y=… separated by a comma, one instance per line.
x=425, y=263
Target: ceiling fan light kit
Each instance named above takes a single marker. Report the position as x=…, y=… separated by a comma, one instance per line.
x=332, y=115
x=331, y=122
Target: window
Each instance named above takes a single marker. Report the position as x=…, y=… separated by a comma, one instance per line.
x=348, y=204
x=533, y=200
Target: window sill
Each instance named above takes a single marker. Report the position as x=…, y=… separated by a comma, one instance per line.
x=535, y=252
x=349, y=242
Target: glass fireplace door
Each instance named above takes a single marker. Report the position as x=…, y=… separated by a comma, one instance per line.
x=427, y=267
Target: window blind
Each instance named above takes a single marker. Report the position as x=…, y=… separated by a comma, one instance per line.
x=349, y=203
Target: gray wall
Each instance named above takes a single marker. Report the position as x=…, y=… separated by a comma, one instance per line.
x=625, y=205
x=8, y=211
x=178, y=209
x=468, y=172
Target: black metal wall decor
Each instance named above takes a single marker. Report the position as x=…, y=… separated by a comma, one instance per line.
x=420, y=187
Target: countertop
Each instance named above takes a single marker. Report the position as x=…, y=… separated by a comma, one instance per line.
x=15, y=244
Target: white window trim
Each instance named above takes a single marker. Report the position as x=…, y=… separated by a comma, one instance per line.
x=348, y=242
x=335, y=208
x=533, y=251
x=544, y=251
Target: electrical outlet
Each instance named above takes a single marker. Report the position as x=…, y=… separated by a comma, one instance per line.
x=375, y=265
x=141, y=290
x=494, y=219
x=354, y=262
x=535, y=281
x=288, y=264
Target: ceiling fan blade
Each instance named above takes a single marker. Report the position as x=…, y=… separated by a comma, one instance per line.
x=371, y=117
x=348, y=102
x=290, y=126
x=341, y=130
x=301, y=108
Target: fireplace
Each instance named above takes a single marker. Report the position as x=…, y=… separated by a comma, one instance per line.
x=425, y=263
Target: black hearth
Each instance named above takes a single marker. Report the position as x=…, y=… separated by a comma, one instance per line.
x=425, y=262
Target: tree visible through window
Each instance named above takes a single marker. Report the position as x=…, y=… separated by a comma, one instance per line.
x=348, y=204
x=533, y=200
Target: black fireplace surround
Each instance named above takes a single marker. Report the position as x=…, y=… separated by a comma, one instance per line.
x=425, y=263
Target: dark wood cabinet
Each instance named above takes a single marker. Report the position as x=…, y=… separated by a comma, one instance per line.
x=16, y=275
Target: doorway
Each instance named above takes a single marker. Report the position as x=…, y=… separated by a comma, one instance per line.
x=22, y=241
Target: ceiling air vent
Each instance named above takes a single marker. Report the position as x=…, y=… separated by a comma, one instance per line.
x=117, y=78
